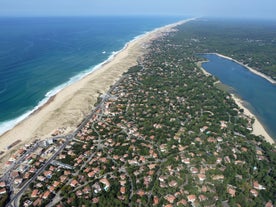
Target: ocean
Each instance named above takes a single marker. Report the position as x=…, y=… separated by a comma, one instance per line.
x=258, y=93
x=40, y=56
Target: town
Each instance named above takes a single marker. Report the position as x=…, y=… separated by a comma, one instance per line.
x=163, y=135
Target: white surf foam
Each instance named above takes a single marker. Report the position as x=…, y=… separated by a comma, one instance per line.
x=8, y=125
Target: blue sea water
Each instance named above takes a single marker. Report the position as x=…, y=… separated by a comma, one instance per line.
x=40, y=56
x=257, y=92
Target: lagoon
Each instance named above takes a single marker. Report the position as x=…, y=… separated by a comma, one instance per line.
x=258, y=93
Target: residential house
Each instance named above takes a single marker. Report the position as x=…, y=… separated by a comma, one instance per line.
x=191, y=198
x=34, y=193
x=74, y=183
x=46, y=195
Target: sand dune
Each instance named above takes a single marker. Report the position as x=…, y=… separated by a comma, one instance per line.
x=68, y=108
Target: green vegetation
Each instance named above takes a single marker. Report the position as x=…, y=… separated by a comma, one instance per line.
x=249, y=41
x=4, y=199
x=167, y=135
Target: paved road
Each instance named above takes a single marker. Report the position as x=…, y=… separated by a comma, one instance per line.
x=14, y=202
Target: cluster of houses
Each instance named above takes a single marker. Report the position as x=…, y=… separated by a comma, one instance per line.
x=151, y=145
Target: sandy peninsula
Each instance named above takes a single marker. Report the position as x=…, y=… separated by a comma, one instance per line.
x=68, y=108
x=249, y=68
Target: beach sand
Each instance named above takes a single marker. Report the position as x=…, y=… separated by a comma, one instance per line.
x=258, y=128
x=68, y=108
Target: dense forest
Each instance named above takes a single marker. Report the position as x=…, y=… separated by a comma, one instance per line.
x=252, y=42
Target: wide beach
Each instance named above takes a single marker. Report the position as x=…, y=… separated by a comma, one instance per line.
x=68, y=108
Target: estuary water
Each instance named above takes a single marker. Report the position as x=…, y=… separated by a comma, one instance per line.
x=258, y=93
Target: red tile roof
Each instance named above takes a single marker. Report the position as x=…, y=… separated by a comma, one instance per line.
x=46, y=194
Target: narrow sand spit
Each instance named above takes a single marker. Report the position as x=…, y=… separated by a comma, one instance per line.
x=249, y=68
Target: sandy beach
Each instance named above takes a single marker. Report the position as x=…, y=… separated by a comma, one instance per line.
x=68, y=108
x=258, y=128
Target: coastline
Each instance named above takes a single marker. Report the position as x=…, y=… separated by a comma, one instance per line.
x=68, y=107
x=246, y=66
x=258, y=128
x=199, y=64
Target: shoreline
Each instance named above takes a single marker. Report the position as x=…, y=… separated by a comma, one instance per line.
x=258, y=128
x=10, y=124
x=67, y=108
x=54, y=91
x=247, y=67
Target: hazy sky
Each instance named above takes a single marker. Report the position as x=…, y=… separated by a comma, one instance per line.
x=226, y=8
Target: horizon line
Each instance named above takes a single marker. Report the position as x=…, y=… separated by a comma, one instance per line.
x=139, y=15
